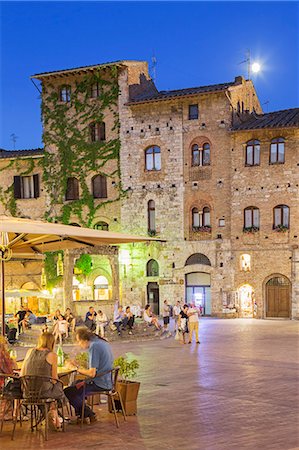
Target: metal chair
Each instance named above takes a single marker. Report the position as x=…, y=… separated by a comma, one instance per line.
x=33, y=397
x=12, y=399
x=112, y=394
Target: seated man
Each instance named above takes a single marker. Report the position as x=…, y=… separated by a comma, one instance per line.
x=90, y=319
x=120, y=319
x=100, y=360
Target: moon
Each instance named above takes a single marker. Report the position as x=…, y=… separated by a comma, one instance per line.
x=255, y=67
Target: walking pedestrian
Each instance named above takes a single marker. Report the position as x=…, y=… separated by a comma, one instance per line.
x=193, y=322
x=176, y=313
x=183, y=323
x=166, y=315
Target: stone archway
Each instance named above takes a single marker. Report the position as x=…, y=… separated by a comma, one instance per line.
x=278, y=297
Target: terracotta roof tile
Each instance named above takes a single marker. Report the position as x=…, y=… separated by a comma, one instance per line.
x=19, y=153
x=276, y=119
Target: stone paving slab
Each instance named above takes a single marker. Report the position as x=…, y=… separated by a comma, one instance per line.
x=238, y=389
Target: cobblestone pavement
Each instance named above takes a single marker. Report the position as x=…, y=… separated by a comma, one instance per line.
x=237, y=389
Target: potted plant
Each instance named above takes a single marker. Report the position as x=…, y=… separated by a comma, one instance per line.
x=127, y=388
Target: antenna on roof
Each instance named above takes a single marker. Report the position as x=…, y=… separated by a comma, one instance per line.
x=14, y=138
x=153, y=67
x=247, y=61
x=266, y=103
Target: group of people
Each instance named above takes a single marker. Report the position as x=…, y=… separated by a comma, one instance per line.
x=186, y=322
x=41, y=361
x=98, y=321
x=26, y=318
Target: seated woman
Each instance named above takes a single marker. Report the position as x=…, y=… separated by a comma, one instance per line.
x=42, y=361
x=28, y=320
x=101, y=323
x=150, y=318
x=61, y=329
x=70, y=318
x=7, y=366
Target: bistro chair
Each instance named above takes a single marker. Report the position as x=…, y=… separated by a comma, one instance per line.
x=32, y=388
x=112, y=395
x=12, y=399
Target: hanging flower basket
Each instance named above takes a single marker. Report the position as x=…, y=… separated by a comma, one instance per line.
x=281, y=228
x=204, y=229
x=250, y=230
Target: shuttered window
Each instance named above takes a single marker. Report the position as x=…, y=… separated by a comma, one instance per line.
x=26, y=187
x=99, y=186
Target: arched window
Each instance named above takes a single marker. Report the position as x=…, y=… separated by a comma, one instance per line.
x=72, y=189
x=200, y=156
x=206, y=217
x=201, y=219
x=277, y=151
x=281, y=217
x=252, y=153
x=151, y=215
x=152, y=268
x=99, y=186
x=195, y=155
x=97, y=131
x=103, y=226
x=251, y=218
x=153, y=158
x=195, y=218
x=245, y=262
x=101, y=288
x=198, y=258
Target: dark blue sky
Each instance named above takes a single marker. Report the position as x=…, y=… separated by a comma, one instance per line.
x=195, y=43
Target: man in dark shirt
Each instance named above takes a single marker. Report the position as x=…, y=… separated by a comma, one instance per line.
x=90, y=318
x=21, y=316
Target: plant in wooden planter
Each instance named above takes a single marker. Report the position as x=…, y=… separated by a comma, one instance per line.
x=127, y=388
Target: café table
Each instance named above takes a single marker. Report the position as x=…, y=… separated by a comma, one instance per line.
x=65, y=374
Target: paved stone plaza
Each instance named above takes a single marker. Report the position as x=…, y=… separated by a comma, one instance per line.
x=238, y=389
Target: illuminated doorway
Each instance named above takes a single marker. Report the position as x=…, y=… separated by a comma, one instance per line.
x=101, y=288
x=246, y=300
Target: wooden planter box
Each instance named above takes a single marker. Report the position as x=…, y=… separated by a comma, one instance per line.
x=128, y=392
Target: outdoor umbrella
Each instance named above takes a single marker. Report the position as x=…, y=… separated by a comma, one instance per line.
x=29, y=238
x=21, y=293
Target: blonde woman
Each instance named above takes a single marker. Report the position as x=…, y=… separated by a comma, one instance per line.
x=42, y=361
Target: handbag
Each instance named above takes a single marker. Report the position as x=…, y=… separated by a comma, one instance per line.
x=12, y=387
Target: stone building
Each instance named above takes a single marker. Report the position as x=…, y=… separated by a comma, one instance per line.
x=201, y=168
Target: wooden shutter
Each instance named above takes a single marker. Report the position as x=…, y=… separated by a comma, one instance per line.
x=103, y=187
x=36, y=185
x=17, y=187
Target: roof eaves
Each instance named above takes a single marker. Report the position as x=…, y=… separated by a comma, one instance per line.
x=77, y=69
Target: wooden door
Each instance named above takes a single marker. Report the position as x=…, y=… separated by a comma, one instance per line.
x=278, y=297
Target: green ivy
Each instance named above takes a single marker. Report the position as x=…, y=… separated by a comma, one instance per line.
x=51, y=270
x=66, y=128
x=7, y=194
x=84, y=264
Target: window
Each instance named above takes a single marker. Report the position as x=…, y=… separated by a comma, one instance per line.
x=221, y=222
x=95, y=90
x=251, y=218
x=99, y=186
x=97, y=131
x=26, y=187
x=152, y=268
x=193, y=112
x=252, y=153
x=151, y=215
x=153, y=158
x=201, y=219
x=103, y=226
x=72, y=189
x=206, y=217
x=201, y=156
x=65, y=94
x=195, y=218
x=277, y=151
x=245, y=262
x=281, y=217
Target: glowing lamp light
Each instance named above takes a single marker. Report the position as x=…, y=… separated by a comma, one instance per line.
x=256, y=67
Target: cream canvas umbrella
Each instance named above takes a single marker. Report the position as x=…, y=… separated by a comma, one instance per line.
x=25, y=238
x=23, y=293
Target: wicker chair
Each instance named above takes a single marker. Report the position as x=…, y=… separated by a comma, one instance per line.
x=32, y=388
x=12, y=399
x=112, y=394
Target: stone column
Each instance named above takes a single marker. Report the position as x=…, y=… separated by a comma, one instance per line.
x=68, y=270
x=295, y=283
x=114, y=263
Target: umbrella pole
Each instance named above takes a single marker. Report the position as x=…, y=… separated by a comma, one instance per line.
x=2, y=294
